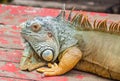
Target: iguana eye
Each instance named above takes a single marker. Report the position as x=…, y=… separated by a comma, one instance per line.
x=35, y=27
x=47, y=55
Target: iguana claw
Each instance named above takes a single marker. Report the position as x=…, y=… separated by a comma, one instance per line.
x=65, y=64
x=53, y=70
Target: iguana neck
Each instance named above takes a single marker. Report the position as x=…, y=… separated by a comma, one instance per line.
x=64, y=35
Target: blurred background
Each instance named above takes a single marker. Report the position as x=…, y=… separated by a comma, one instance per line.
x=107, y=6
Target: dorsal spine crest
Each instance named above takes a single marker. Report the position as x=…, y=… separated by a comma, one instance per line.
x=81, y=21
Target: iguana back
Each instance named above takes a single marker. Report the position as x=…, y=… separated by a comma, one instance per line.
x=101, y=52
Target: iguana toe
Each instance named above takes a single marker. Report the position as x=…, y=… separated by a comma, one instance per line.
x=52, y=71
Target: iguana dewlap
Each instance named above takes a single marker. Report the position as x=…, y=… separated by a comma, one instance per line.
x=63, y=45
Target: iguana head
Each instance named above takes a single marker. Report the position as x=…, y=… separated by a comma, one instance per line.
x=37, y=33
x=48, y=36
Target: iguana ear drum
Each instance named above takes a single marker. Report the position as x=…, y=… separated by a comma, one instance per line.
x=47, y=55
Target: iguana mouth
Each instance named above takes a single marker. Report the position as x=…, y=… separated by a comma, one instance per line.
x=25, y=32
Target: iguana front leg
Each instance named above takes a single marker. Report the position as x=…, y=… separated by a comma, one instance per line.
x=69, y=59
x=29, y=60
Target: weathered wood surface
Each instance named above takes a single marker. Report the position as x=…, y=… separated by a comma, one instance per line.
x=11, y=45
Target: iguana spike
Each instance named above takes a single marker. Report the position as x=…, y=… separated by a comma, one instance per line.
x=70, y=14
x=87, y=23
x=81, y=18
x=119, y=26
x=111, y=26
x=115, y=27
x=82, y=22
x=103, y=25
x=62, y=13
x=94, y=24
x=98, y=24
x=74, y=18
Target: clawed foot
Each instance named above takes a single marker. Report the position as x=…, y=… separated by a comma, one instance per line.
x=53, y=69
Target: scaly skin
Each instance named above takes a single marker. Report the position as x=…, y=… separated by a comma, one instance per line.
x=102, y=56
x=29, y=60
x=49, y=39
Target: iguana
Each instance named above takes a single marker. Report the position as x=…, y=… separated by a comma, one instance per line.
x=63, y=44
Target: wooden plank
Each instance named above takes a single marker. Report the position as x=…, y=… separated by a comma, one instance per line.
x=10, y=55
x=2, y=78
x=11, y=70
x=10, y=37
x=14, y=15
